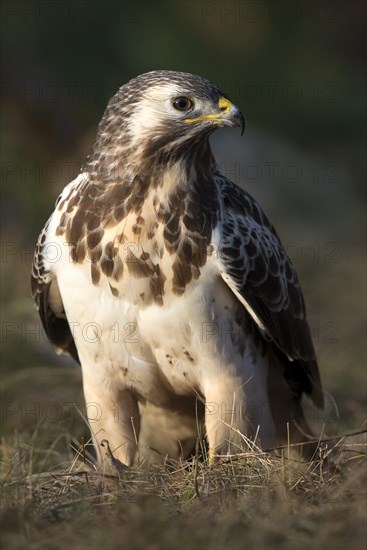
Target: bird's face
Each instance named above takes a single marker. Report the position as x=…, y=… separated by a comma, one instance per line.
x=178, y=106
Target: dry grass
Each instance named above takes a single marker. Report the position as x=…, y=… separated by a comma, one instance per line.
x=51, y=499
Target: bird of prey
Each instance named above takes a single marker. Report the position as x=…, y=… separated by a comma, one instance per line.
x=170, y=286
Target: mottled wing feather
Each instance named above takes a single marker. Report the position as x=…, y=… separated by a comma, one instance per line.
x=51, y=311
x=256, y=267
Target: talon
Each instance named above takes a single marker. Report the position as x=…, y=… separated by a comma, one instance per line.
x=115, y=462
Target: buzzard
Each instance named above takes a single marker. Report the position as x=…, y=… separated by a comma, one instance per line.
x=170, y=286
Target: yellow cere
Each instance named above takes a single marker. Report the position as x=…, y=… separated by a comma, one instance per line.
x=224, y=107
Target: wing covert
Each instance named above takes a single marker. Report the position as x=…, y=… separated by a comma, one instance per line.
x=254, y=264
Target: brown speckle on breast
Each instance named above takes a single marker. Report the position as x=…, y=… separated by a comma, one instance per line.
x=181, y=276
x=138, y=267
x=114, y=291
x=158, y=248
x=62, y=224
x=111, y=250
x=118, y=269
x=77, y=228
x=78, y=252
x=136, y=229
x=119, y=213
x=156, y=285
x=94, y=238
x=189, y=357
x=95, y=273
x=107, y=266
x=95, y=254
x=93, y=221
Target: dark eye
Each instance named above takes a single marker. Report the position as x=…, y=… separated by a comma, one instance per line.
x=182, y=103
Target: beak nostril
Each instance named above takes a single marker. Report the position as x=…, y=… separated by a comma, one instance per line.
x=224, y=105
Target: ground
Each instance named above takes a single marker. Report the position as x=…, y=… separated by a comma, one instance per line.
x=54, y=499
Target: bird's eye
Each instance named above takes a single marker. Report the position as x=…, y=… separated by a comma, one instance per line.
x=182, y=103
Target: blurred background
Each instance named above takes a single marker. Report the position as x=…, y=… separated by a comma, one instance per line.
x=296, y=70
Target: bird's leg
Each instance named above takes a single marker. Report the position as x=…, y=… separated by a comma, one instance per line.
x=224, y=418
x=112, y=415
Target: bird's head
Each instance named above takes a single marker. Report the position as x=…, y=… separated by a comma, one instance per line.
x=165, y=108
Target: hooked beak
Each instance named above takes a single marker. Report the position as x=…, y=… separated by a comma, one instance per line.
x=228, y=115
